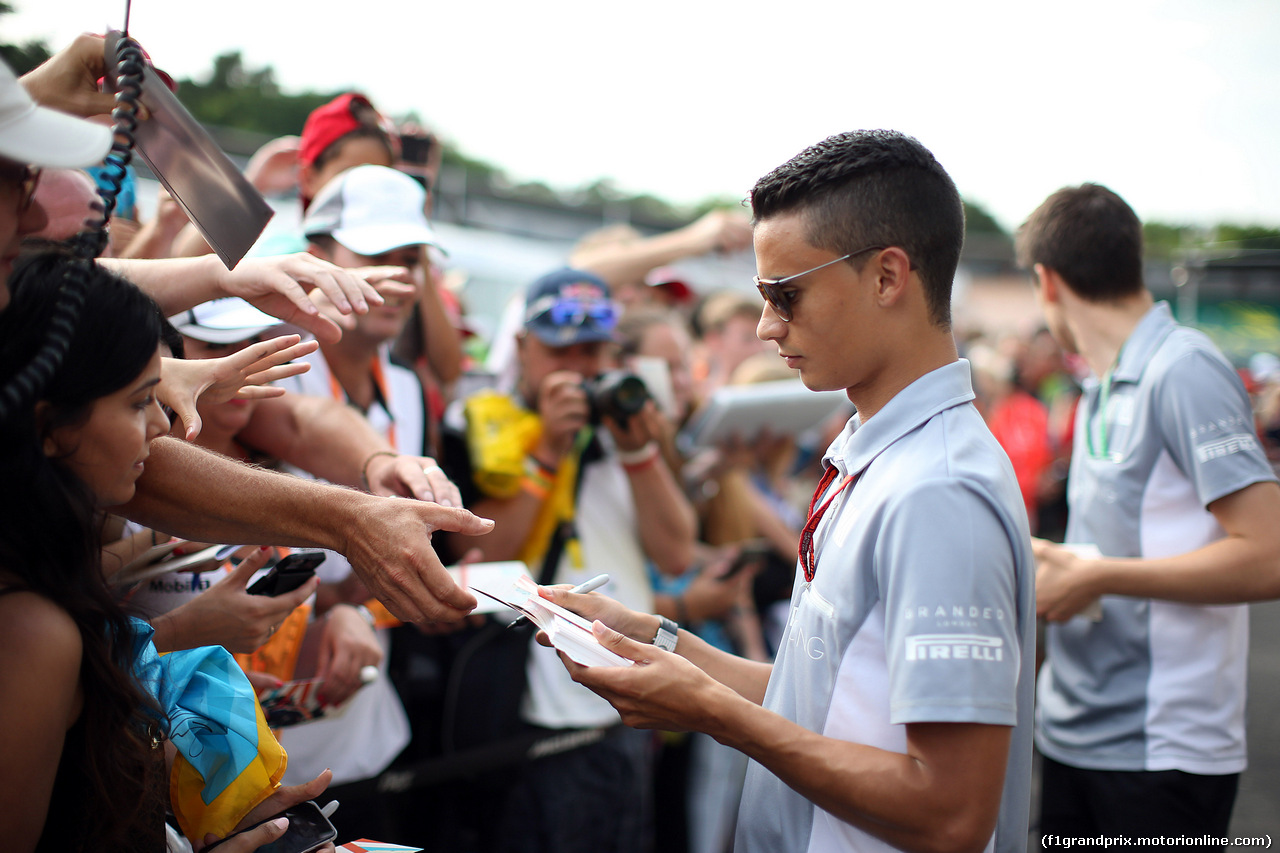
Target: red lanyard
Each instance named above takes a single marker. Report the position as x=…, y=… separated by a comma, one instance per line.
x=809, y=559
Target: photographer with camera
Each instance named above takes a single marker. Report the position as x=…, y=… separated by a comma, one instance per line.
x=568, y=468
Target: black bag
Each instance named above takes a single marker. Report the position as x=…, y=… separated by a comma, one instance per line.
x=488, y=675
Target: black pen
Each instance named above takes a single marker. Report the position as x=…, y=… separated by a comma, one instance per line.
x=581, y=589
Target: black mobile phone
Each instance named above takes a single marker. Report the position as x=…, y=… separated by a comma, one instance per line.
x=752, y=552
x=416, y=147
x=308, y=830
x=288, y=574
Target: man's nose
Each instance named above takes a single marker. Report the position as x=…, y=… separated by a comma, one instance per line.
x=770, y=327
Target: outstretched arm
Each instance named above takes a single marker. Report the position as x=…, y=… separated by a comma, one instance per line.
x=278, y=286
x=203, y=496
x=620, y=264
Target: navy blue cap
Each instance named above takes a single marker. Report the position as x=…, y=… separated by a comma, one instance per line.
x=568, y=307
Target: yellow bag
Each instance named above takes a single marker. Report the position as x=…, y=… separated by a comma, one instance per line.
x=500, y=434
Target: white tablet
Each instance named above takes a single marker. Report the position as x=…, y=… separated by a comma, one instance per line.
x=784, y=407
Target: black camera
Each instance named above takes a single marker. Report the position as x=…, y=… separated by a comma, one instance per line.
x=616, y=394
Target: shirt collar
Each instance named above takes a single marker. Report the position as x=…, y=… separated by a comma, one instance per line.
x=858, y=444
x=1142, y=343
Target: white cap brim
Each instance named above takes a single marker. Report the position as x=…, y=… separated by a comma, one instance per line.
x=378, y=239
x=230, y=321
x=53, y=140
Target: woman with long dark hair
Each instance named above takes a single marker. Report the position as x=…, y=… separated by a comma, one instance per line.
x=83, y=765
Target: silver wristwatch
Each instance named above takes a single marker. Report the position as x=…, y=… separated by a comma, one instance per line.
x=666, y=637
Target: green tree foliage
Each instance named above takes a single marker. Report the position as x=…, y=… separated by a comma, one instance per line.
x=977, y=220
x=1163, y=240
x=1248, y=236
x=247, y=99
x=22, y=57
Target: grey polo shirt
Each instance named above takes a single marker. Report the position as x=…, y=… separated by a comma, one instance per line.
x=921, y=609
x=1154, y=685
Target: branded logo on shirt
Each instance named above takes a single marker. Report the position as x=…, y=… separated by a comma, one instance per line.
x=1238, y=443
x=955, y=647
x=954, y=616
x=812, y=647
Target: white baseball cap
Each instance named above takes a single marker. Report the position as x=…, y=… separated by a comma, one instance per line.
x=229, y=321
x=44, y=137
x=370, y=210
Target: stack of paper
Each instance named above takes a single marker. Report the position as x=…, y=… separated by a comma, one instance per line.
x=568, y=631
x=478, y=577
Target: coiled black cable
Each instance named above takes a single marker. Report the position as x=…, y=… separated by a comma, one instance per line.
x=25, y=386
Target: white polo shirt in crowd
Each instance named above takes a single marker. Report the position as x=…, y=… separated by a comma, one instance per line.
x=1154, y=685
x=921, y=609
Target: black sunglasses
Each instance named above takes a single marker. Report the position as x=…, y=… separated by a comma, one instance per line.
x=779, y=301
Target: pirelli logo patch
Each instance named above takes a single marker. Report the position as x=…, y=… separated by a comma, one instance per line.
x=1236, y=443
x=955, y=647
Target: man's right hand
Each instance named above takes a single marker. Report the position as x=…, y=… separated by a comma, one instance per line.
x=389, y=546
x=563, y=407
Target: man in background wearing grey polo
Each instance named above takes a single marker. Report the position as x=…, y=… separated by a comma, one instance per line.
x=1141, y=708
x=898, y=712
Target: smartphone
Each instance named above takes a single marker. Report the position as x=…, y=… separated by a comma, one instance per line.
x=752, y=552
x=416, y=148
x=308, y=830
x=288, y=574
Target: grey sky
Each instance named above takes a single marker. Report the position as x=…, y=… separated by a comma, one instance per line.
x=1175, y=105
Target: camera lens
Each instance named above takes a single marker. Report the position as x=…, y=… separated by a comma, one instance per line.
x=616, y=394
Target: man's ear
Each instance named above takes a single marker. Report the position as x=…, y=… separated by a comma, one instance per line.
x=893, y=271
x=1048, y=282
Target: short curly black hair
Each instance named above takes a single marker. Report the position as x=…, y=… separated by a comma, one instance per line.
x=874, y=188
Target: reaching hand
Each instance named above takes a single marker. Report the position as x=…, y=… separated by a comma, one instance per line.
x=411, y=476
x=244, y=374
x=280, y=285
x=390, y=283
x=389, y=546
x=475, y=620
x=722, y=231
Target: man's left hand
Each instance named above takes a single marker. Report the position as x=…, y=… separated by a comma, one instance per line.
x=641, y=428
x=661, y=691
x=1064, y=581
